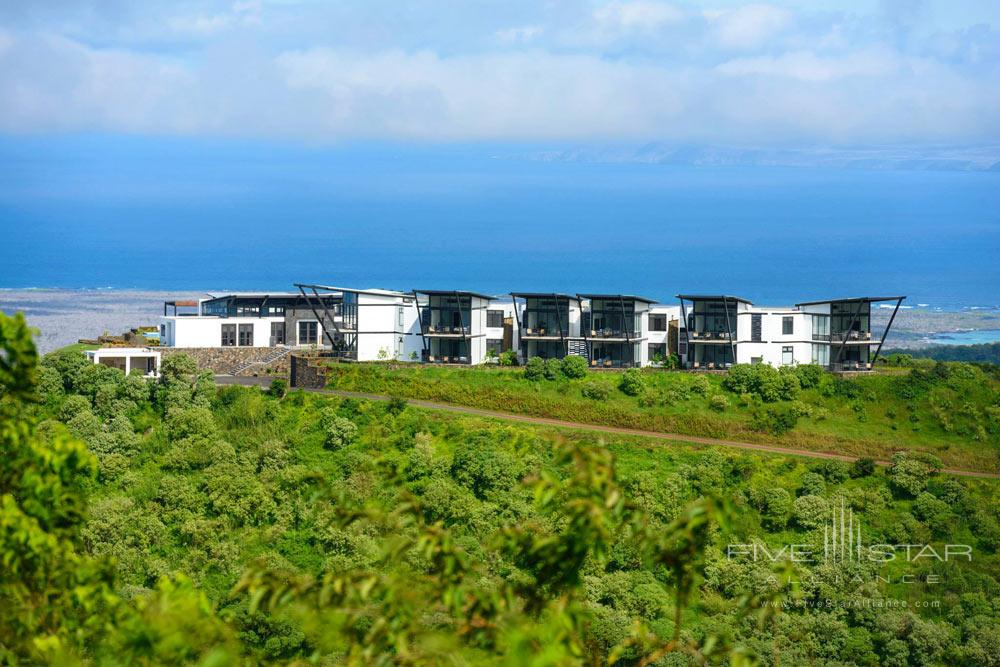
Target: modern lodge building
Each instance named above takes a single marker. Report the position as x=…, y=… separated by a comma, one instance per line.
x=706, y=332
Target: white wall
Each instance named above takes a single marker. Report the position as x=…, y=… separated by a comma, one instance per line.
x=380, y=329
x=206, y=331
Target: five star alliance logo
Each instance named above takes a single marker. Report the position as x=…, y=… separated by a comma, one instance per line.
x=843, y=542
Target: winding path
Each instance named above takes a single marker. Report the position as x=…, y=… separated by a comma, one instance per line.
x=581, y=426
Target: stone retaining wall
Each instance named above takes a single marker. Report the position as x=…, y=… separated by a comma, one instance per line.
x=222, y=360
x=307, y=372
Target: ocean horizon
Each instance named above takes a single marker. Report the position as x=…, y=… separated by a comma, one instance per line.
x=186, y=214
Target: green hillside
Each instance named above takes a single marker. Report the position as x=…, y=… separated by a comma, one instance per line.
x=951, y=410
x=181, y=523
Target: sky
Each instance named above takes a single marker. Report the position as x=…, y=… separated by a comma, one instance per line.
x=785, y=73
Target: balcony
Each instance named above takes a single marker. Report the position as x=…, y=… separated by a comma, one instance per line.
x=857, y=337
x=709, y=336
x=611, y=334
x=611, y=363
x=850, y=366
x=544, y=331
x=447, y=332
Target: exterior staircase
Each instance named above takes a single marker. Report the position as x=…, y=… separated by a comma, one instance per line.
x=273, y=356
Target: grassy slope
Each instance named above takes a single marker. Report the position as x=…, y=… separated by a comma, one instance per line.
x=212, y=549
x=876, y=424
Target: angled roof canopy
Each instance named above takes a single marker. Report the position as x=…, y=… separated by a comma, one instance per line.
x=630, y=297
x=713, y=297
x=452, y=292
x=870, y=299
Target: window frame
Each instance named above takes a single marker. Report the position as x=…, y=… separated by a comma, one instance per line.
x=298, y=332
x=494, y=314
x=787, y=325
x=244, y=340
x=231, y=330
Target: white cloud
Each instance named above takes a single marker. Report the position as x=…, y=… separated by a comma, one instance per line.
x=519, y=34
x=637, y=15
x=641, y=70
x=748, y=26
x=807, y=66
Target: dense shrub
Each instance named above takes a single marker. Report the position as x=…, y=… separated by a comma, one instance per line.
x=553, y=369
x=813, y=484
x=909, y=473
x=763, y=381
x=700, y=385
x=774, y=420
x=338, y=432
x=483, y=467
x=809, y=375
x=718, y=402
x=863, y=467
x=574, y=366
x=631, y=382
x=833, y=471
x=597, y=391
x=810, y=511
x=534, y=370
x=278, y=388
x=775, y=505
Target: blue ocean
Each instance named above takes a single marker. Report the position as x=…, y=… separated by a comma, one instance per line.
x=188, y=214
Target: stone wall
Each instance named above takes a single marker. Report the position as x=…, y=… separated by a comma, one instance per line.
x=224, y=360
x=307, y=372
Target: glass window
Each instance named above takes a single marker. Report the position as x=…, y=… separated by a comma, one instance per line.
x=277, y=333
x=308, y=333
x=494, y=345
x=494, y=319
x=657, y=352
x=821, y=354
x=657, y=322
x=246, y=335
x=399, y=315
x=228, y=335
x=787, y=355
x=787, y=326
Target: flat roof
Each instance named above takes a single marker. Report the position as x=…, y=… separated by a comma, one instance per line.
x=248, y=295
x=850, y=299
x=713, y=297
x=435, y=292
x=541, y=295
x=630, y=297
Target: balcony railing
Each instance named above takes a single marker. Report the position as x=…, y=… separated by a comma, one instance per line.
x=697, y=336
x=544, y=331
x=611, y=333
x=850, y=366
x=861, y=336
x=444, y=359
x=612, y=363
x=450, y=331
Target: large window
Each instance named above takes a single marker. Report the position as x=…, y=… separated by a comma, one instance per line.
x=246, y=335
x=821, y=354
x=787, y=326
x=399, y=316
x=494, y=319
x=821, y=327
x=787, y=355
x=308, y=333
x=277, y=333
x=228, y=335
x=494, y=345
x=657, y=322
x=657, y=351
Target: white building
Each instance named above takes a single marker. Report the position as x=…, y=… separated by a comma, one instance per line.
x=130, y=360
x=453, y=325
x=719, y=330
x=357, y=324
